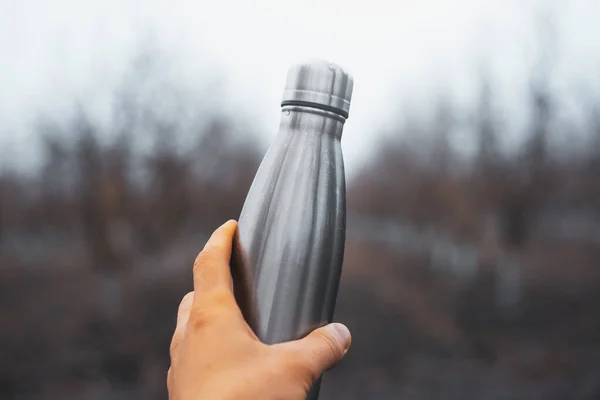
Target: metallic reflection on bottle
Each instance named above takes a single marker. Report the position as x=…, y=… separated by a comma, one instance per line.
x=289, y=246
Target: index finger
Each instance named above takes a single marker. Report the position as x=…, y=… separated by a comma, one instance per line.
x=211, y=268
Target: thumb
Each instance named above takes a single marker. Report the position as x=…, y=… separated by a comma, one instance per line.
x=321, y=349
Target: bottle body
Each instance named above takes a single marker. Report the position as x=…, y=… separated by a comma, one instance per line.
x=289, y=247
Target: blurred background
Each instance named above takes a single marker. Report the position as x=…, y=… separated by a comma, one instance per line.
x=130, y=130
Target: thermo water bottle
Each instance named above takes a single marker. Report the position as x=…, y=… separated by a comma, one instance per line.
x=289, y=246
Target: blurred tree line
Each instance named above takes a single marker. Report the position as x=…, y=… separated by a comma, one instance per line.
x=96, y=250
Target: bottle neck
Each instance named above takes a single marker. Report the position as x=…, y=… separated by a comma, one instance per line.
x=308, y=119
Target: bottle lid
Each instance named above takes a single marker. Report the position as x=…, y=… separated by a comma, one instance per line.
x=319, y=84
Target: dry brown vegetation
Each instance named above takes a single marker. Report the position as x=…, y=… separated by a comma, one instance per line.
x=96, y=249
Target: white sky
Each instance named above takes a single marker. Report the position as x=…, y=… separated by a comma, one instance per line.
x=52, y=51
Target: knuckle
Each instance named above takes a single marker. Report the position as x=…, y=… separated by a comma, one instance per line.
x=174, y=345
x=203, y=258
x=303, y=370
x=199, y=317
x=297, y=365
x=221, y=298
x=330, y=347
x=212, y=306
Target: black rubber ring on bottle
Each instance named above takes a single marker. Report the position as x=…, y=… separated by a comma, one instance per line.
x=323, y=107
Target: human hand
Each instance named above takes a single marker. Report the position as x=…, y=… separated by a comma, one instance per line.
x=216, y=356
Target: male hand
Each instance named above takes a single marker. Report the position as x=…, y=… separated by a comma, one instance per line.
x=216, y=356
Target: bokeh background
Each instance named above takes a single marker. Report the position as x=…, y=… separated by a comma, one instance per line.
x=130, y=130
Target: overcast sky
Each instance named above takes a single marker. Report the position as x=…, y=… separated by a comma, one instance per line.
x=52, y=51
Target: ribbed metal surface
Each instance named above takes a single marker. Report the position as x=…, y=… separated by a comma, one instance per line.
x=291, y=233
x=321, y=84
x=289, y=246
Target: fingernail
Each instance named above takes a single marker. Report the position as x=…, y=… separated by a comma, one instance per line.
x=342, y=334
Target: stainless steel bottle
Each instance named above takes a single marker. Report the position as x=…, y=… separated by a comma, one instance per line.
x=289, y=247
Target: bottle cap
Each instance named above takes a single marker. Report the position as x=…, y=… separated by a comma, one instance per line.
x=319, y=84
